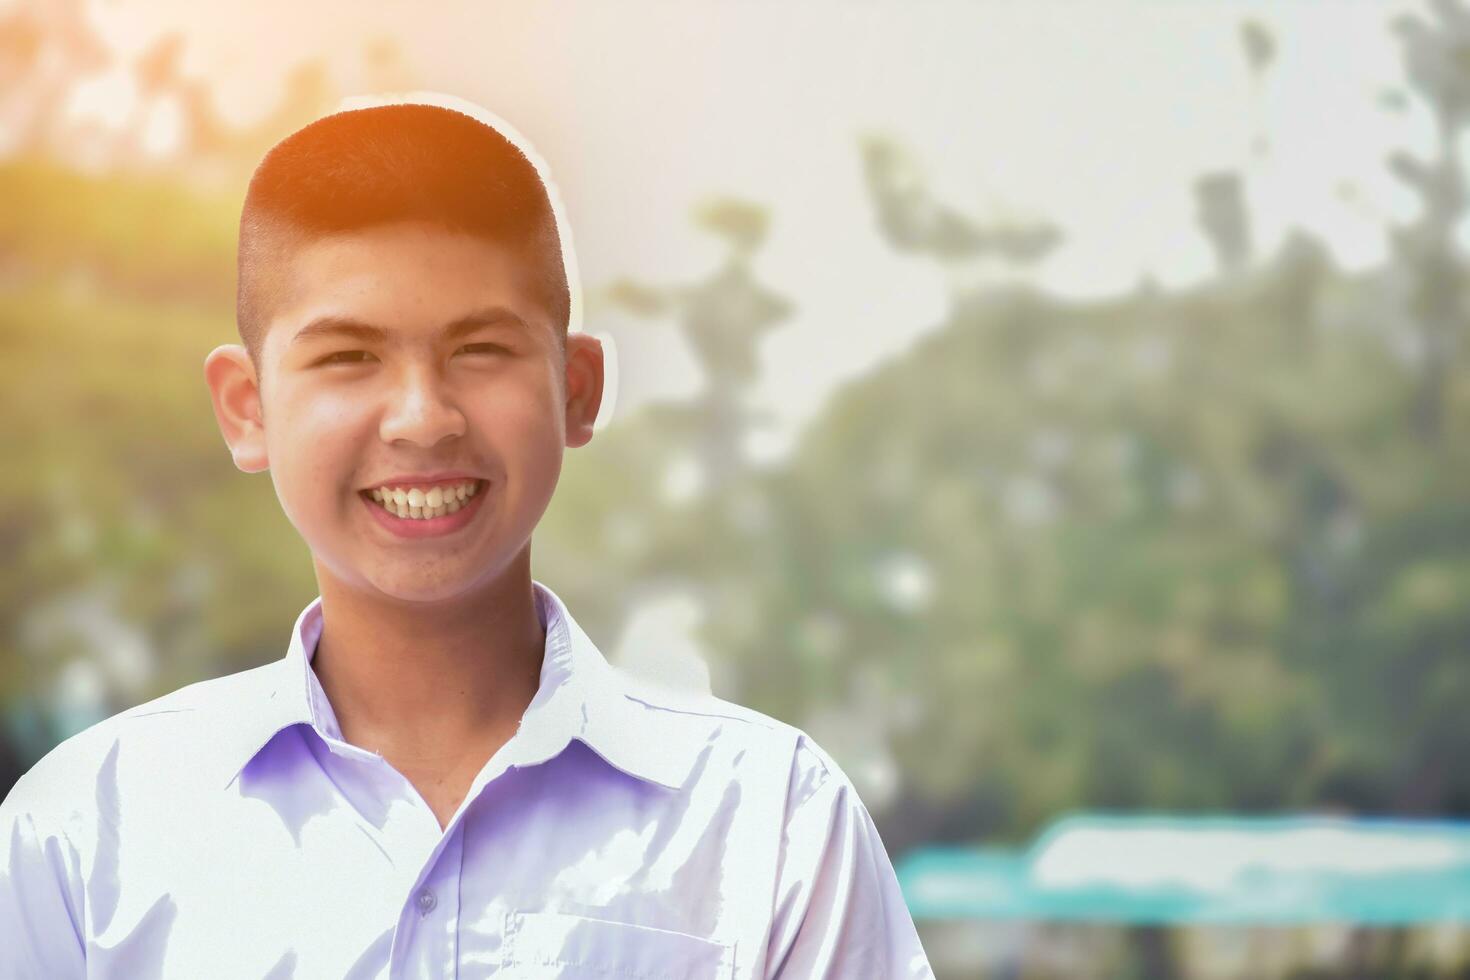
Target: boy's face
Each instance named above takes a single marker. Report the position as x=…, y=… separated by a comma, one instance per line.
x=340, y=414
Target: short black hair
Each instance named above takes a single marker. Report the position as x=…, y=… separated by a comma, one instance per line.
x=402, y=162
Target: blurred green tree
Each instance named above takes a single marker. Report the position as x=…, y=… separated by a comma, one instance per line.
x=1202, y=549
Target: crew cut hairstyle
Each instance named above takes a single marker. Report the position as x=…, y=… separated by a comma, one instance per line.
x=359, y=168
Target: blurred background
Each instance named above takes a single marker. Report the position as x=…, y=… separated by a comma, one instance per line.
x=1058, y=410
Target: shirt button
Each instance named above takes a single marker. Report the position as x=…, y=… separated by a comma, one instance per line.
x=427, y=901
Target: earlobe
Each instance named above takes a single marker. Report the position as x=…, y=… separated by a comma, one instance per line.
x=584, y=387
x=235, y=392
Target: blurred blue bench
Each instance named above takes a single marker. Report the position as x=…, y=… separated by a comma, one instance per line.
x=1162, y=870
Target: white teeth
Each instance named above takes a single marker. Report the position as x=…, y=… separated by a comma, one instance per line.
x=422, y=504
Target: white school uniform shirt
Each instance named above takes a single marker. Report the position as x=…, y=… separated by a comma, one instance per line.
x=623, y=833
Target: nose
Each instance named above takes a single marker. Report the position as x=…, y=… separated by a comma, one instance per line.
x=422, y=411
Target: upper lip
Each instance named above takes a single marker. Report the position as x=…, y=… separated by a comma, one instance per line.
x=421, y=480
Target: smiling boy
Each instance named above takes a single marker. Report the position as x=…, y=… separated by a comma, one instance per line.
x=443, y=777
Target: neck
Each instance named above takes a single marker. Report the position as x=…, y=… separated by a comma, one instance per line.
x=423, y=680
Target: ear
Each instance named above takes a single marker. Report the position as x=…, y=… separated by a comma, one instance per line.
x=584, y=386
x=235, y=391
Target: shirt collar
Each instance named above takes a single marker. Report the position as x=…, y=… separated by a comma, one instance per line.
x=580, y=696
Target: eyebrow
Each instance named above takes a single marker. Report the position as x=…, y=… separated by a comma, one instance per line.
x=345, y=326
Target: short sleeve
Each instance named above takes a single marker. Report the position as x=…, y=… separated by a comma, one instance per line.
x=838, y=908
x=39, y=909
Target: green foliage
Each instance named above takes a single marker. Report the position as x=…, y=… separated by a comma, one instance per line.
x=138, y=236
x=1200, y=550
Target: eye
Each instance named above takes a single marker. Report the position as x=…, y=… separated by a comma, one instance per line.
x=345, y=357
x=495, y=348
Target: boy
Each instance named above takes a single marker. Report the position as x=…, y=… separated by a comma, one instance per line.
x=443, y=777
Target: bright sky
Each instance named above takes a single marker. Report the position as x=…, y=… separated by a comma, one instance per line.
x=1096, y=116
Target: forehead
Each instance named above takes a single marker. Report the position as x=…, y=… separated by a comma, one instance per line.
x=409, y=279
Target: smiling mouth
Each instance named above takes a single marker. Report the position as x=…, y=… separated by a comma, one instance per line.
x=424, y=503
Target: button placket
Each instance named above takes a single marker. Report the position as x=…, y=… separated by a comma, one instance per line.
x=426, y=902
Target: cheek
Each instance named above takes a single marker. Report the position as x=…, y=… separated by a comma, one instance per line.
x=528, y=412
x=310, y=451
x=523, y=427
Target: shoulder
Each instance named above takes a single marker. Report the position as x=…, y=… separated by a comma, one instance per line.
x=783, y=751
x=168, y=738
x=686, y=714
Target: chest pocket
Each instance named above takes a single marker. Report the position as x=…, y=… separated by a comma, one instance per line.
x=556, y=946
